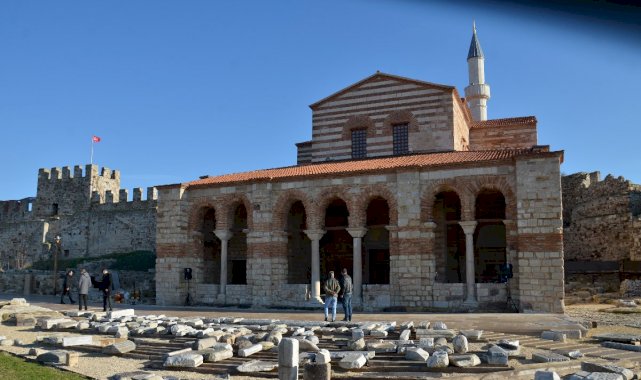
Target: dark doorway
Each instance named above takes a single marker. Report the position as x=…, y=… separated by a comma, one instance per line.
x=490, y=235
x=211, y=248
x=376, y=264
x=237, y=250
x=336, y=250
x=299, y=249
x=449, y=247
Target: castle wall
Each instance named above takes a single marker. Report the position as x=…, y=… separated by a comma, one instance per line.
x=602, y=219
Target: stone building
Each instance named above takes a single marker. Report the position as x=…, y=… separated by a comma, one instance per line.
x=404, y=183
x=602, y=225
x=89, y=211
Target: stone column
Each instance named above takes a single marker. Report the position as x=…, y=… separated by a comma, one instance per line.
x=357, y=234
x=468, y=228
x=315, y=236
x=224, y=236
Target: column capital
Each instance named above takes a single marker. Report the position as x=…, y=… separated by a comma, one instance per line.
x=468, y=226
x=357, y=232
x=223, y=234
x=314, y=234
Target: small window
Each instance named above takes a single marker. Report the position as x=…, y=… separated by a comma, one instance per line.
x=54, y=209
x=400, y=139
x=359, y=143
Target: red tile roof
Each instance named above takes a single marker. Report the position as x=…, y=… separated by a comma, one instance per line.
x=510, y=121
x=369, y=165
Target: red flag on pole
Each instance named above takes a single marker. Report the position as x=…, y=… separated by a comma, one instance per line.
x=95, y=139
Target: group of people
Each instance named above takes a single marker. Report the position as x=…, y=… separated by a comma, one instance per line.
x=335, y=289
x=84, y=283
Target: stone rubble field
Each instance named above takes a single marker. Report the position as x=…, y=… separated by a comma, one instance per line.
x=122, y=345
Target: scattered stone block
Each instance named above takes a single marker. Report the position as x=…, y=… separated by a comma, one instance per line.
x=553, y=335
x=72, y=358
x=571, y=353
x=549, y=357
x=267, y=345
x=177, y=352
x=245, y=352
x=53, y=357
x=617, y=337
x=571, y=333
x=201, y=344
x=439, y=326
x=322, y=357
x=216, y=354
x=622, y=346
x=407, y=325
x=405, y=334
x=352, y=361
x=288, y=352
x=184, y=361
x=472, y=334
x=18, y=302
x=464, y=360
x=460, y=345
x=604, y=376
x=416, y=353
x=78, y=340
x=36, y=351
x=7, y=342
x=626, y=303
x=380, y=347
x=423, y=325
x=317, y=371
x=306, y=345
x=119, y=348
x=256, y=366
x=448, y=334
x=596, y=367
x=496, y=356
x=25, y=320
x=426, y=343
x=546, y=375
x=439, y=359
x=356, y=345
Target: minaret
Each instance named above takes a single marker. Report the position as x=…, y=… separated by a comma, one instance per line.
x=477, y=93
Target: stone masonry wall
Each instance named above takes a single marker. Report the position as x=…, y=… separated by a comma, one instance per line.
x=503, y=137
x=540, y=234
x=531, y=188
x=602, y=219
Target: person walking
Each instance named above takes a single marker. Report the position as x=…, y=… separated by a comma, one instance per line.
x=347, y=288
x=66, y=287
x=83, y=288
x=105, y=286
x=332, y=287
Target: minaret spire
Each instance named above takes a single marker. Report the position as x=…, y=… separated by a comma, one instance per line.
x=477, y=93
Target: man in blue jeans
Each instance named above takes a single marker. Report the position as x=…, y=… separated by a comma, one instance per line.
x=332, y=287
x=347, y=288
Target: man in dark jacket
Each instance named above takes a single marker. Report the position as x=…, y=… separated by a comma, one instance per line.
x=105, y=286
x=66, y=287
x=347, y=288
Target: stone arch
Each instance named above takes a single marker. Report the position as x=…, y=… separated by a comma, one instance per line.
x=228, y=208
x=358, y=122
x=364, y=198
x=401, y=117
x=324, y=199
x=499, y=184
x=284, y=202
x=435, y=187
x=195, y=217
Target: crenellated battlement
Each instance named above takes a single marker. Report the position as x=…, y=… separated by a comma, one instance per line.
x=16, y=209
x=121, y=198
x=65, y=172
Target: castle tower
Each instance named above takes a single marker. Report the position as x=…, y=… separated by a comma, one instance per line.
x=477, y=93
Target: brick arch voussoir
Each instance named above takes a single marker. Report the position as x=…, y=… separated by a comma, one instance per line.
x=228, y=207
x=499, y=184
x=400, y=117
x=358, y=122
x=285, y=202
x=372, y=192
x=326, y=197
x=438, y=186
x=195, y=217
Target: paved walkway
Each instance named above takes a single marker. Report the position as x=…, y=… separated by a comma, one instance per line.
x=509, y=323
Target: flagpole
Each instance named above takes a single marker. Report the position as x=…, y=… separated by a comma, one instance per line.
x=91, y=160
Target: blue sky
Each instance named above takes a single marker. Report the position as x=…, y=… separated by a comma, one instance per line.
x=179, y=89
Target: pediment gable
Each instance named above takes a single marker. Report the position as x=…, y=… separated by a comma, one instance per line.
x=382, y=79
